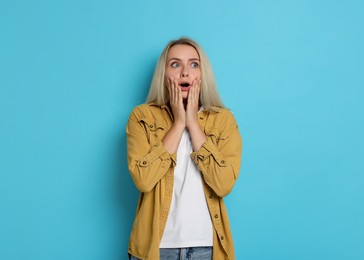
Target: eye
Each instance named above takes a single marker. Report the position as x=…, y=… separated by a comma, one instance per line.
x=194, y=65
x=174, y=65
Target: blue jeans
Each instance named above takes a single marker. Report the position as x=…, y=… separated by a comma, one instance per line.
x=188, y=253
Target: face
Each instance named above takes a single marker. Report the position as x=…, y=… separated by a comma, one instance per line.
x=183, y=65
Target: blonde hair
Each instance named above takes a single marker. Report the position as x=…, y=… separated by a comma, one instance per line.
x=209, y=96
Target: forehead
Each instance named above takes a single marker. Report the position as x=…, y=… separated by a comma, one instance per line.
x=182, y=51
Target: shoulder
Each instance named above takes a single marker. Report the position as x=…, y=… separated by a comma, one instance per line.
x=155, y=116
x=145, y=110
x=221, y=114
x=222, y=121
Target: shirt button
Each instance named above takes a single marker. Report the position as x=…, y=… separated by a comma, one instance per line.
x=144, y=162
x=210, y=196
x=222, y=162
x=151, y=126
x=222, y=237
x=216, y=216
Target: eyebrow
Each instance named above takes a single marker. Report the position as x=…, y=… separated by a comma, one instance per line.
x=180, y=59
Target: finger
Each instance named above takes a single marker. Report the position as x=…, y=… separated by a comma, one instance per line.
x=175, y=92
x=175, y=89
x=198, y=90
x=194, y=91
x=179, y=92
x=191, y=94
x=170, y=90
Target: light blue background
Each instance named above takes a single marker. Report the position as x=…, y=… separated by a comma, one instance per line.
x=291, y=71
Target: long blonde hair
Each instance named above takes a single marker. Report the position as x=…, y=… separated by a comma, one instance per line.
x=209, y=96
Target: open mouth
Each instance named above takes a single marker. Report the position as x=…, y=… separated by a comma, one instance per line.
x=185, y=85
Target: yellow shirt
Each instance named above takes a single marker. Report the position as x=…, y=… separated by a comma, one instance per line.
x=151, y=168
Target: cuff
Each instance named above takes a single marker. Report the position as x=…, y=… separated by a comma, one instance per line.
x=207, y=149
x=157, y=151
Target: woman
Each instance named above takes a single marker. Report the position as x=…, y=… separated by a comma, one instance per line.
x=184, y=152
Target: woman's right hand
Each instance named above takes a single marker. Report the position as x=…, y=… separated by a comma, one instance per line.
x=173, y=136
x=176, y=102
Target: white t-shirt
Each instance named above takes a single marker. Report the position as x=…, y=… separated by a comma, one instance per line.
x=189, y=223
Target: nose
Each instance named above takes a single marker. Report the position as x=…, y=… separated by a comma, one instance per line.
x=184, y=72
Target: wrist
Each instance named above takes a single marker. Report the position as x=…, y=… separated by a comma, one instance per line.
x=192, y=124
x=179, y=125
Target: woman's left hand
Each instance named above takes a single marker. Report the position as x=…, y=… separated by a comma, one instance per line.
x=193, y=103
x=198, y=137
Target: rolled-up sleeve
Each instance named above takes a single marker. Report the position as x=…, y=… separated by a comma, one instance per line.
x=147, y=163
x=219, y=157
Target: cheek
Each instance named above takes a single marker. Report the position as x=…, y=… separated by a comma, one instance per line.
x=166, y=74
x=198, y=75
x=170, y=74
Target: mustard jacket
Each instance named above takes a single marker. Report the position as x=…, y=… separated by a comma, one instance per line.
x=151, y=168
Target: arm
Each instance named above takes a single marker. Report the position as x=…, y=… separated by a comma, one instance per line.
x=147, y=163
x=219, y=157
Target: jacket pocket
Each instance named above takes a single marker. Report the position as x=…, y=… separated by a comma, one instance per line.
x=215, y=135
x=154, y=129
